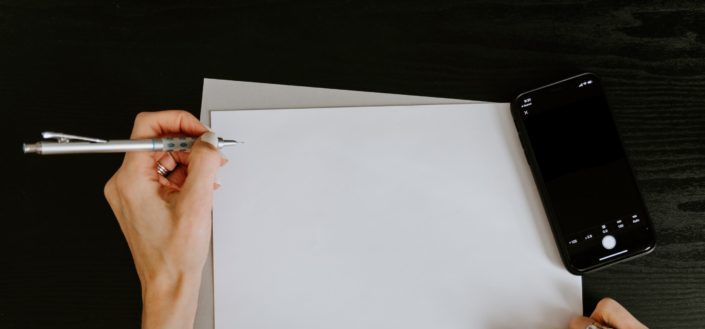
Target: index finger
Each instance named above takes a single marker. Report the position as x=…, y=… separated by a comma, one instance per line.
x=156, y=124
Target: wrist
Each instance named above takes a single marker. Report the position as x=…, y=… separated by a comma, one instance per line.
x=170, y=302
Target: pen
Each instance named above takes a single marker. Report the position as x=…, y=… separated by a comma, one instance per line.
x=72, y=144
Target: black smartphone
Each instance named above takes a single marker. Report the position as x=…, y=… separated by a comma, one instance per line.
x=586, y=184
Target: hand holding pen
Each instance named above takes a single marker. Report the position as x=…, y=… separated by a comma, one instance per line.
x=73, y=144
x=167, y=220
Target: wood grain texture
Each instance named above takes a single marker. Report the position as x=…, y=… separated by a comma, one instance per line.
x=88, y=68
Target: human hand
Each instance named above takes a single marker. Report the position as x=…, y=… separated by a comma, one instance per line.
x=609, y=314
x=167, y=222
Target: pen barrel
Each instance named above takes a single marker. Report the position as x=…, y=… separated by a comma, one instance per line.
x=167, y=144
x=114, y=146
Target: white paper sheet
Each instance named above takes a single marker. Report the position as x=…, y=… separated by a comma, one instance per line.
x=388, y=217
x=234, y=95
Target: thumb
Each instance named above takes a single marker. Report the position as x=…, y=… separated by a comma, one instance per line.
x=203, y=163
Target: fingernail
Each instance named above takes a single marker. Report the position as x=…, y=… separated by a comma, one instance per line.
x=210, y=138
x=224, y=161
x=216, y=185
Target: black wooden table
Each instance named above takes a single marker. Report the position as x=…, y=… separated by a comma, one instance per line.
x=89, y=68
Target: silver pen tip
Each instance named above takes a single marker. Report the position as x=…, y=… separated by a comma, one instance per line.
x=230, y=142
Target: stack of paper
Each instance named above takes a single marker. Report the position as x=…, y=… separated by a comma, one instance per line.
x=409, y=217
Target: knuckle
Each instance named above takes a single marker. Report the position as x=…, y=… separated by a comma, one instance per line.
x=606, y=303
x=141, y=119
x=183, y=114
x=109, y=189
x=189, y=120
x=141, y=116
x=178, y=114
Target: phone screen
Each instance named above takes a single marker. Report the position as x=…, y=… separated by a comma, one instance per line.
x=586, y=178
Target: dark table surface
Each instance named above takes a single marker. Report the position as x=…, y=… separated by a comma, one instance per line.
x=88, y=68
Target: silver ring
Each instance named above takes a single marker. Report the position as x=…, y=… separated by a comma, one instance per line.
x=162, y=170
x=596, y=325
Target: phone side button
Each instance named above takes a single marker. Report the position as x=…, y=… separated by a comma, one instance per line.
x=609, y=242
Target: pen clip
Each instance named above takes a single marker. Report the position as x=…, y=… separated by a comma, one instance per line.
x=65, y=138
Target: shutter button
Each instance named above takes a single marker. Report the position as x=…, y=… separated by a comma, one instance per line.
x=609, y=242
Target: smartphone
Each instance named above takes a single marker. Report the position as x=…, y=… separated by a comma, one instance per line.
x=586, y=184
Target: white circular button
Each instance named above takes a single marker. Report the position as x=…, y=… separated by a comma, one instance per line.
x=609, y=242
